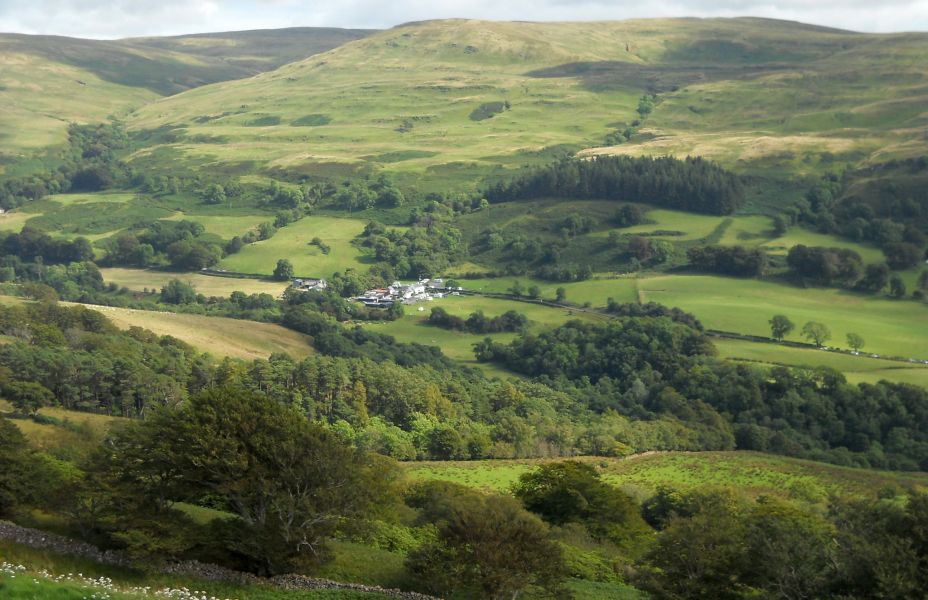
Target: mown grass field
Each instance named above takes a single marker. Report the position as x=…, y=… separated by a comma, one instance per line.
x=208, y=285
x=751, y=472
x=891, y=327
x=293, y=243
x=218, y=336
x=857, y=369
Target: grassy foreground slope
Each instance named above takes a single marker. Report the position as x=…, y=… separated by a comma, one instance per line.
x=418, y=98
x=30, y=574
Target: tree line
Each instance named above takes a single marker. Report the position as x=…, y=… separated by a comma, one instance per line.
x=477, y=322
x=654, y=366
x=692, y=184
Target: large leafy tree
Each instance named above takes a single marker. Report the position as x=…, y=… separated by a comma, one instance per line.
x=287, y=483
x=572, y=492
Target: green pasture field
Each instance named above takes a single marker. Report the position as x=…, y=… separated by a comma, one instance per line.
x=228, y=227
x=679, y=226
x=748, y=230
x=292, y=242
x=594, y=291
x=753, y=473
x=14, y=221
x=95, y=215
x=208, y=285
x=534, y=218
x=860, y=368
x=798, y=235
x=458, y=345
x=218, y=336
x=891, y=327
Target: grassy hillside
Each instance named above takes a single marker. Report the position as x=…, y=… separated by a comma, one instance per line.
x=896, y=327
x=293, y=243
x=418, y=99
x=751, y=472
x=218, y=336
x=208, y=285
x=257, y=50
x=47, y=82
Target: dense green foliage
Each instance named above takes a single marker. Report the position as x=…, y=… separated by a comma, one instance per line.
x=572, y=492
x=478, y=322
x=717, y=545
x=883, y=205
x=826, y=266
x=728, y=260
x=644, y=367
x=88, y=364
x=425, y=249
x=484, y=547
x=287, y=484
x=32, y=245
x=693, y=184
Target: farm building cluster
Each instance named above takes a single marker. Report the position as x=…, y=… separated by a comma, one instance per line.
x=424, y=290
x=310, y=285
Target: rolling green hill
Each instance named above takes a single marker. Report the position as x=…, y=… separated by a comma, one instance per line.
x=428, y=99
x=254, y=51
x=48, y=81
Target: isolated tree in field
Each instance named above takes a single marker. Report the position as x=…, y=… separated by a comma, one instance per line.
x=488, y=547
x=215, y=194
x=816, y=332
x=855, y=341
x=534, y=291
x=516, y=289
x=560, y=294
x=780, y=326
x=896, y=287
x=284, y=270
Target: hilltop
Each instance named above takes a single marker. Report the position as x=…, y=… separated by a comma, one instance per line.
x=450, y=100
